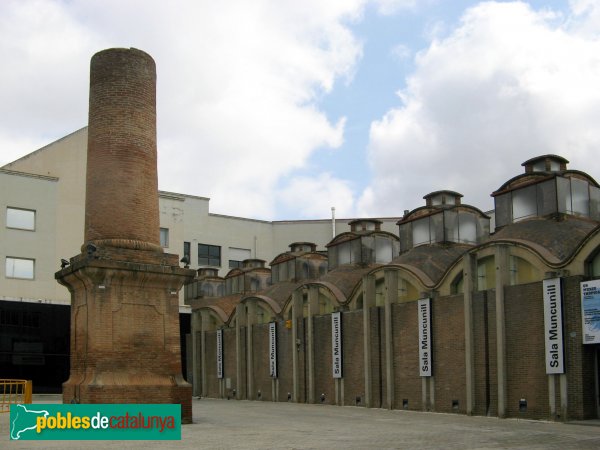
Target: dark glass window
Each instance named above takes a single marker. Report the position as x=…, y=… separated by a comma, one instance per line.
x=233, y=264
x=209, y=255
x=187, y=250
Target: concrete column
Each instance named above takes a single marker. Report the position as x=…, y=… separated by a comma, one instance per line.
x=196, y=325
x=564, y=399
x=313, y=310
x=274, y=389
x=339, y=391
x=502, y=280
x=552, y=395
x=250, y=321
x=240, y=351
x=424, y=393
x=390, y=297
x=205, y=324
x=297, y=314
x=368, y=293
x=428, y=383
x=469, y=287
x=432, y=393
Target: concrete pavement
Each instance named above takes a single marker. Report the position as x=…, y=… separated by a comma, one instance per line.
x=223, y=424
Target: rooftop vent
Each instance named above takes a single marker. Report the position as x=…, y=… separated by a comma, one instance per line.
x=545, y=163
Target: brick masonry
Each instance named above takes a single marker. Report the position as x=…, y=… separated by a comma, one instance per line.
x=121, y=179
x=124, y=290
x=525, y=363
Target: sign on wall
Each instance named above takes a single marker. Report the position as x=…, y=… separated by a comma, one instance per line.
x=424, y=322
x=273, y=349
x=219, y=354
x=336, y=344
x=590, y=311
x=553, y=326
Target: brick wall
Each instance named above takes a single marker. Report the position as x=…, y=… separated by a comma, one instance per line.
x=581, y=370
x=262, y=380
x=448, y=336
x=525, y=360
x=324, y=383
x=285, y=350
x=353, y=358
x=212, y=382
x=526, y=377
x=406, y=356
x=229, y=360
x=484, y=354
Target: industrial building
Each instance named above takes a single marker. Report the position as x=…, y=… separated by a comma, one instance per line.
x=444, y=308
x=42, y=196
x=447, y=314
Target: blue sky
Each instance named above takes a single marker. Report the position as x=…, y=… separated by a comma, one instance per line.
x=281, y=109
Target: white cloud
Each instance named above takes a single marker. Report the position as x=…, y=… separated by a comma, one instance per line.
x=389, y=7
x=43, y=75
x=314, y=196
x=401, y=52
x=585, y=20
x=508, y=84
x=238, y=84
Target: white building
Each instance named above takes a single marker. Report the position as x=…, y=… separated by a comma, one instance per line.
x=43, y=199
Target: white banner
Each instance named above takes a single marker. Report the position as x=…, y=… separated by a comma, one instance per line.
x=424, y=322
x=219, y=354
x=336, y=344
x=272, y=349
x=553, y=326
x=590, y=311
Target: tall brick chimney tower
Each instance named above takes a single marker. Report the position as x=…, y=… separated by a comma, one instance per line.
x=125, y=345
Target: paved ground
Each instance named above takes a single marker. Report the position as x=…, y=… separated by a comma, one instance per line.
x=222, y=424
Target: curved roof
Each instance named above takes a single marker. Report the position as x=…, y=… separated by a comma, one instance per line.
x=225, y=304
x=529, y=178
x=352, y=235
x=425, y=211
x=347, y=277
x=554, y=240
x=283, y=257
x=433, y=260
x=278, y=292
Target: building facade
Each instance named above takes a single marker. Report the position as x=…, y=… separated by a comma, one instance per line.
x=446, y=314
x=43, y=197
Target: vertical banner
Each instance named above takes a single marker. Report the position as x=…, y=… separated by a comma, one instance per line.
x=590, y=311
x=553, y=326
x=424, y=322
x=273, y=349
x=219, y=354
x=336, y=344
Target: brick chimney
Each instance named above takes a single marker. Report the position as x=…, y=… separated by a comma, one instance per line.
x=125, y=343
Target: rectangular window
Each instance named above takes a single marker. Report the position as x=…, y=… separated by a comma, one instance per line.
x=209, y=255
x=580, y=197
x=20, y=268
x=22, y=219
x=524, y=203
x=9, y=318
x=164, y=237
x=187, y=251
x=237, y=256
x=421, y=232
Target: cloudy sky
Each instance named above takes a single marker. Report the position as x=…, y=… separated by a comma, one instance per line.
x=283, y=109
